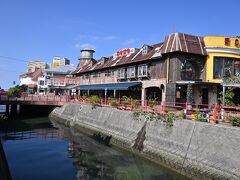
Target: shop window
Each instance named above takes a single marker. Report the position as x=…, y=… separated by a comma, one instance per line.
x=41, y=83
x=85, y=76
x=143, y=70
x=96, y=75
x=121, y=73
x=224, y=67
x=131, y=72
x=109, y=73
x=188, y=70
x=237, y=67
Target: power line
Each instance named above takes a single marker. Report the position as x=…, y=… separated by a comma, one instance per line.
x=13, y=58
x=7, y=70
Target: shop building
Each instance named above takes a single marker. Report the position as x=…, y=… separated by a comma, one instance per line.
x=56, y=79
x=160, y=71
x=223, y=63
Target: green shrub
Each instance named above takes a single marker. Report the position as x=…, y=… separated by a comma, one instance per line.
x=169, y=119
x=17, y=90
x=114, y=102
x=166, y=119
x=126, y=100
x=136, y=103
x=152, y=103
x=94, y=100
x=235, y=121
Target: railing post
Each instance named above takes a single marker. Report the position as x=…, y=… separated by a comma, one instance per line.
x=215, y=112
x=145, y=104
x=131, y=104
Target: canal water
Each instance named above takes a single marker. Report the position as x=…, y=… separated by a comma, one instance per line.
x=35, y=149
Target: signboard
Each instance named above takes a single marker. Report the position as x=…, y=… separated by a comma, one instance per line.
x=74, y=90
x=227, y=42
x=124, y=52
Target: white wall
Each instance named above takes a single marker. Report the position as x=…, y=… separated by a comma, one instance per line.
x=27, y=81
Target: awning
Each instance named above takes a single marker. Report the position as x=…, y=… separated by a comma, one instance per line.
x=72, y=86
x=110, y=86
x=31, y=85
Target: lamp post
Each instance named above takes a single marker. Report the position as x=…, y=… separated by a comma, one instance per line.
x=105, y=96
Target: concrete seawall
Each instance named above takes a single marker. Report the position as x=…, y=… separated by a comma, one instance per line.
x=195, y=149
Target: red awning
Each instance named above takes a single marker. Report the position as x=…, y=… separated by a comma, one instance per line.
x=31, y=85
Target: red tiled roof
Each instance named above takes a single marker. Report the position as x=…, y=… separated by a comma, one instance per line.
x=177, y=42
x=33, y=75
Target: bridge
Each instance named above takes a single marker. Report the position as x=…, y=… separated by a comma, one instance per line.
x=27, y=104
x=50, y=100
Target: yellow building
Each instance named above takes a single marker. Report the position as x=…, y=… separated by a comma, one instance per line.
x=223, y=57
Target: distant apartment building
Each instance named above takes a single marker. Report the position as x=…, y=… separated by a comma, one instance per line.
x=58, y=61
x=56, y=79
x=30, y=79
x=33, y=65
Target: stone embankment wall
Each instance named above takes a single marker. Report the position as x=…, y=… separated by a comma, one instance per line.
x=198, y=150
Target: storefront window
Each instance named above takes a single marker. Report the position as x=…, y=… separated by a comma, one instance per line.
x=224, y=67
x=218, y=66
x=237, y=67
x=187, y=70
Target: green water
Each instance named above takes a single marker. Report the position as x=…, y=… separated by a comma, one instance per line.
x=37, y=150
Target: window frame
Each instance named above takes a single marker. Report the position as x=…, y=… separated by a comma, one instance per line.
x=224, y=66
x=141, y=70
x=144, y=50
x=121, y=73
x=131, y=72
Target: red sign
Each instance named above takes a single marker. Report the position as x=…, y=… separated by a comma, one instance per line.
x=124, y=52
x=236, y=42
x=227, y=41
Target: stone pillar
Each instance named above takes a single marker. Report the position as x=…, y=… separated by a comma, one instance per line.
x=88, y=92
x=143, y=96
x=114, y=93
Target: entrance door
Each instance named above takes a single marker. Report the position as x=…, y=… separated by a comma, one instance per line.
x=205, y=96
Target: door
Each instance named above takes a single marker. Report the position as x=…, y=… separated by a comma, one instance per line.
x=205, y=96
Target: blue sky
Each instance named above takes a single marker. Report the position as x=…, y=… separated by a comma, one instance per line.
x=41, y=29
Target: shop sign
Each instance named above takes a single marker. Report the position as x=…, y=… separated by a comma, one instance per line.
x=74, y=90
x=123, y=52
x=228, y=42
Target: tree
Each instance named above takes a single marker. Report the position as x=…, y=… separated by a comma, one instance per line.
x=17, y=90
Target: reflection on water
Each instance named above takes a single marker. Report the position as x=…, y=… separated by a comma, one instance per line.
x=36, y=150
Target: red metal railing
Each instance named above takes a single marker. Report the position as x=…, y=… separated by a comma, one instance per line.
x=215, y=113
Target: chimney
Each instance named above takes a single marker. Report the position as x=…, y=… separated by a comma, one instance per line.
x=86, y=57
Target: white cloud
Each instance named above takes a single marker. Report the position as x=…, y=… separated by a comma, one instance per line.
x=85, y=45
